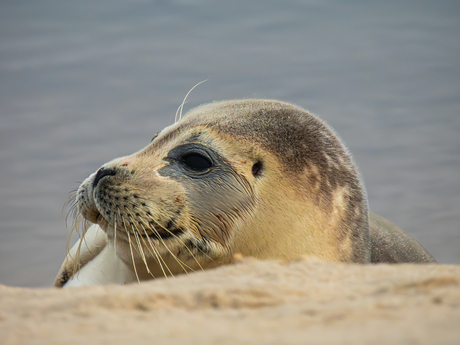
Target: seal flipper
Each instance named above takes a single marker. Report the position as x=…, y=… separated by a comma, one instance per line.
x=89, y=245
x=390, y=244
x=97, y=263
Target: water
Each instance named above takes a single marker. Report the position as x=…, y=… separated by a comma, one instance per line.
x=83, y=82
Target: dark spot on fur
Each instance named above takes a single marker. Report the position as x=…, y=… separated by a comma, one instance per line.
x=165, y=235
x=65, y=276
x=171, y=233
x=195, y=246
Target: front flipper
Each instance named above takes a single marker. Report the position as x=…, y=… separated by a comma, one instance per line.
x=97, y=263
x=390, y=244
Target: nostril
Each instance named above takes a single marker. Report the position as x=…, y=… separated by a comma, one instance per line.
x=102, y=172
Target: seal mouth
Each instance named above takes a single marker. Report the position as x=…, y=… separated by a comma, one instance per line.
x=163, y=235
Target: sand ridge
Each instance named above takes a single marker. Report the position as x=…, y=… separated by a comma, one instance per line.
x=250, y=302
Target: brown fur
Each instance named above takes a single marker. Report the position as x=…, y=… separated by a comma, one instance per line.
x=281, y=185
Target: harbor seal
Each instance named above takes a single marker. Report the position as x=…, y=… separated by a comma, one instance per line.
x=262, y=178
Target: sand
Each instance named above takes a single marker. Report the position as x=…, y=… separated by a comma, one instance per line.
x=250, y=302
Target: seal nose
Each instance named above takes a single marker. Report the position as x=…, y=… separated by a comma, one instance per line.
x=102, y=172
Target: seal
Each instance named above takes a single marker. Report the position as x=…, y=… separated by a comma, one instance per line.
x=262, y=178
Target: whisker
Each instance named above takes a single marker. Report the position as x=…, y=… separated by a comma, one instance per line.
x=78, y=219
x=179, y=261
x=135, y=232
x=181, y=107
x=196, y=225
x=155, y=252
x=115, y=232
x=72, y=202
x=130, y=247
x=178, y=238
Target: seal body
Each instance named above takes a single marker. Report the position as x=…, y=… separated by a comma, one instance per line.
x=262, y=178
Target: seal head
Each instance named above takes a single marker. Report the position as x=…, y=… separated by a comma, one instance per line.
x=262, y=178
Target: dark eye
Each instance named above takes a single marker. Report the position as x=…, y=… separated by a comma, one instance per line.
x=196, y=162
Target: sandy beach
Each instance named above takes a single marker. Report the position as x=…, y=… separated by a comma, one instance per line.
x=250, y=302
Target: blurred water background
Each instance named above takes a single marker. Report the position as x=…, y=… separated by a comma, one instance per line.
x=83, y=82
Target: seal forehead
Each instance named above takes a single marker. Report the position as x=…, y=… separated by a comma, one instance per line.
x=296, y=137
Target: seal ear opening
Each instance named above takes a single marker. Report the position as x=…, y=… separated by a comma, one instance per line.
x=257, y=169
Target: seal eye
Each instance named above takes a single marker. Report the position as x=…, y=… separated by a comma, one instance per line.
x=196, y=162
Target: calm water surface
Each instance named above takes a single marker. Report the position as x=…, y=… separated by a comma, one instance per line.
x=83, y=82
